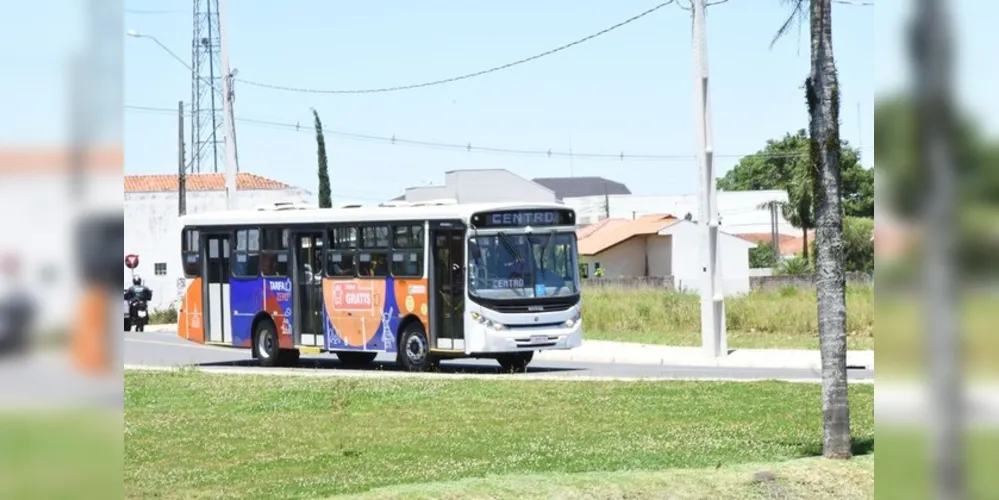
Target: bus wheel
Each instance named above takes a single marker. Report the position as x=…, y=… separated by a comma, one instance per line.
x=356, y=359
x=414, y=349
x=515, y=362
x=265, y=344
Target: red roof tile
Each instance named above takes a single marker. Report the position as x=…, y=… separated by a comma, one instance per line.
x=610, y=232
x=58, y=159
x=198, y=182
x=789, y=245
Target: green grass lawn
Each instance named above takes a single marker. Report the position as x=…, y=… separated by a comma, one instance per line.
x=785, y=319
x=191, y=435
x=60, y=454
x=804, y=479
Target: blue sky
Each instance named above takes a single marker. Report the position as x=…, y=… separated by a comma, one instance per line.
x=629, y=90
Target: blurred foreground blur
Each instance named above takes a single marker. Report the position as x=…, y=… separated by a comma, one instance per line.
x=61, y=159
x=937, y=248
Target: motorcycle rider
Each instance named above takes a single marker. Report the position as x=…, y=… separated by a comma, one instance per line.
x=138, y=291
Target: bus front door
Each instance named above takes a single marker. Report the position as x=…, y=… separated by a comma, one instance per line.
x=447, y=322
x=308, y=286
x=217, y=275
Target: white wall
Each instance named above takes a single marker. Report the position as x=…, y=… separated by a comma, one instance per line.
x=660, y=253
x=39, y=233
x=687, y=251
x=152, y=231
x=626, y=259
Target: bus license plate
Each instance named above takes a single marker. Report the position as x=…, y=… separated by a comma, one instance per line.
x=539, y=339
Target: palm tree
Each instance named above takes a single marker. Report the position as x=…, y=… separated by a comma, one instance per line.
x=798, y=209
x=822, y=93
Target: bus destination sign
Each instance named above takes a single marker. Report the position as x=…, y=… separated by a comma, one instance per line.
x=523, y=218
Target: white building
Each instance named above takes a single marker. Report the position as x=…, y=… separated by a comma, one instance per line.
x=660, y=245
x=597, y=198
x=481, y=186
x=152, y=229
x=739, y=210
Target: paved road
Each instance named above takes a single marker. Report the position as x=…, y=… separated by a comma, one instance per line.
x=166, y=350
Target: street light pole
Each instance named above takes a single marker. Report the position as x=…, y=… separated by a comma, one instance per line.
x=230, y=127
x=713, y=337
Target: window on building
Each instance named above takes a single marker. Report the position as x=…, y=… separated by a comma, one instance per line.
x=191, y=252
x=407, y=251
x=584, y=270
x=274, y=252
x=246, y=261
x=159, y=269
x=373, y=251
x=341, y=252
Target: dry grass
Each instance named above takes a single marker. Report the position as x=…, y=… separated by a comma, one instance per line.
x=779, y=319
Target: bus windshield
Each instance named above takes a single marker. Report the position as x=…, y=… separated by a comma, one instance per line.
x=517, y=266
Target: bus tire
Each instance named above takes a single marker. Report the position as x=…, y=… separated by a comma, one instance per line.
x=515, y=362
x=356, y=359
x=414, y=349
x=265, y=344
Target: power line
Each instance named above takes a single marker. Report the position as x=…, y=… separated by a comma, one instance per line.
x=466, y=147
x=460, y=77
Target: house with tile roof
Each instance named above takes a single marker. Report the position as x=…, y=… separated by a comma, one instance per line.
x=660, y=245
x=152, y=226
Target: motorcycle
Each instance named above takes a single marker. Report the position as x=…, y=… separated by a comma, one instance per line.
x=140, y=314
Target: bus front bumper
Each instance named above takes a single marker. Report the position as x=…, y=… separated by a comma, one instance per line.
x=529, y=339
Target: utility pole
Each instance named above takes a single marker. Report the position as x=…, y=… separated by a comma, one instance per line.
x=774, y=232
x=181, y=168
x=932, y=50
x=713, y=339
x=230, y=127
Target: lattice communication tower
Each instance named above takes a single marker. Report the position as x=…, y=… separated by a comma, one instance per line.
x=207, y=146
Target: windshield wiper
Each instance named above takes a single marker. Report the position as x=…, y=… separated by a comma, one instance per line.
x=510, y=248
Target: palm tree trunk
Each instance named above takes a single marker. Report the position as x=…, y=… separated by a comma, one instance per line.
x=822, y=90
x=804, y=237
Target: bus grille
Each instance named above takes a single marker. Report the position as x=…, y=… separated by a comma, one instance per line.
x=535, y=306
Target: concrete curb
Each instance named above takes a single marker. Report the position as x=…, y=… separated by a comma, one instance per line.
x=161, y=328
x=622, y=353
x=746, y=358
x=309, y=372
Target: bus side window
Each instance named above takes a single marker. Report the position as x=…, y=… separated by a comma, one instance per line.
x=191, y=252
x=374, y=251
x=246, y=263
x=340, y=254
x=274, y=252
x=407, y=251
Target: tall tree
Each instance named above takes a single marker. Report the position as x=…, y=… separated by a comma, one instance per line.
x=325, y=196
x=822, y=97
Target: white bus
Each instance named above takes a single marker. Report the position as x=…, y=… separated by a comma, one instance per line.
x=426, y=282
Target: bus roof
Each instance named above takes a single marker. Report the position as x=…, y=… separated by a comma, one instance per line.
x=291, y=214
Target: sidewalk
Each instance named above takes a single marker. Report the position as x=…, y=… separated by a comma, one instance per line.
x=626, y=353
x=599, y=351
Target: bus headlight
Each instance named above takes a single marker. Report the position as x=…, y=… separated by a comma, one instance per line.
x=487, y=322
x=571, y=322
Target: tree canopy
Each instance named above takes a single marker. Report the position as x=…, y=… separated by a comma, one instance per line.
x=784, y=164
x=897, y=150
